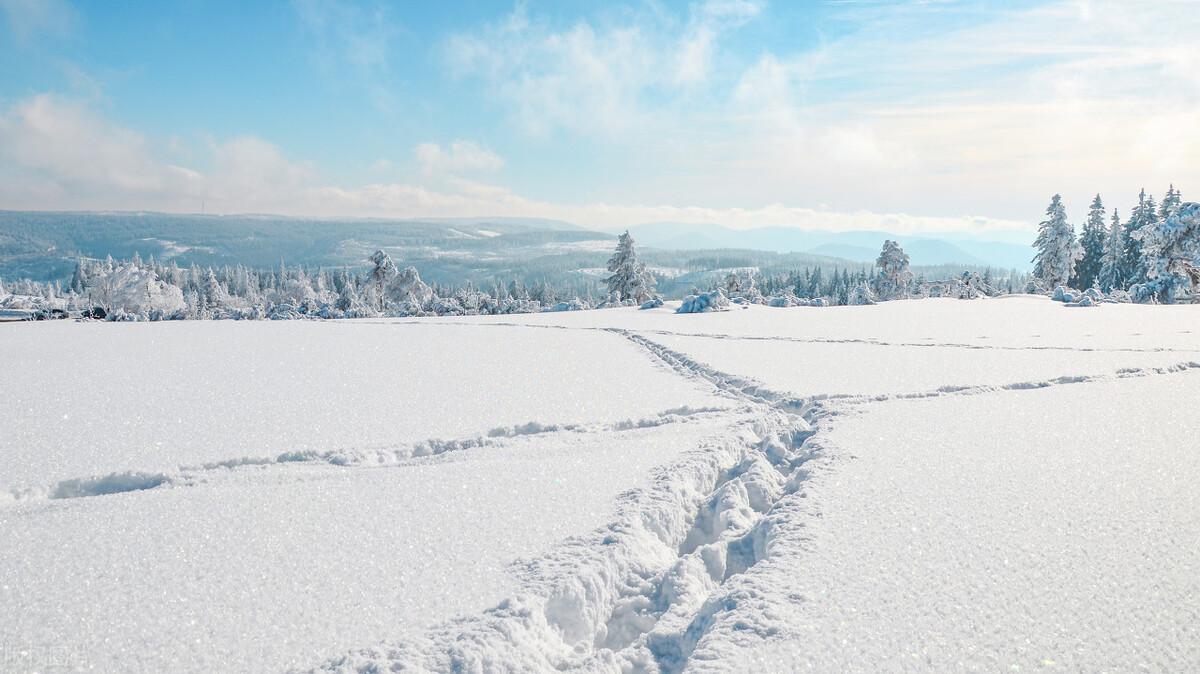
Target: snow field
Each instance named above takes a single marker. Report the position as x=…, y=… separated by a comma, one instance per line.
x=1047, y=530
x=267, y=568
x=754, y=490
x=859, y=369
x=1023, y=321
x=136, y=404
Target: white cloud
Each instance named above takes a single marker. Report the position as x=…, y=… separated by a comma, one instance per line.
x=592, y=76
x=352, y=43
x=461, y=156
x=31, y=19
x=63, y=155
x=346, y=32
x=694, y=53
x=61, y=143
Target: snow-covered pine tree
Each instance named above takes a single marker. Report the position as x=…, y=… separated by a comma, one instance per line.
x=816, y=284
x=215, y=296
x=860, y=295
x=79, y=280
x=1055, y=246
x=1171, y=250
x=1095, y=233
x=1110, y=269
x=630, y=279
x=1133, y=267
x=380, y=277
x=894, y=275
x=1169, y=203
x=348, y=300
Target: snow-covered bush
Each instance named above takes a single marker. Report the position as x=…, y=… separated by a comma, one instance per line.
x=446, y=306
x=711, y=301
x=1035, y=287
x=741, y=288
x=861, y=295
x=132, y=290
x=284, y=312
x=652, y=304
x=1083, y=301
x=785, y=300
x=567, y=305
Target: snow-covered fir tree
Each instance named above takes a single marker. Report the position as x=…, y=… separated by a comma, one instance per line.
x=79, y=279
x=1171, y=253
x=630, y=280
x=1170, y=202
x=1133, y=266
x=380, y=277
x=1055, y=244
x=1092, y=240
x=894, y=275
x=860, y=295
x=1110, y=269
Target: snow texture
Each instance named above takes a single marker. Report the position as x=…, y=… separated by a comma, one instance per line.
x=88, y=399
x=920, y=485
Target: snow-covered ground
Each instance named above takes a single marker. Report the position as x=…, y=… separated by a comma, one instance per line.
x=93, y=399
x=914, y=486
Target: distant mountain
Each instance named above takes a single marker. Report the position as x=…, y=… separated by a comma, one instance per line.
x=859, y=246
x=45, y=246
x=531, y=223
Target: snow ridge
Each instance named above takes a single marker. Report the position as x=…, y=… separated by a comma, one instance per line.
x=128, y=481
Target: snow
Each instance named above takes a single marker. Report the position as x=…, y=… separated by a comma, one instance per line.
x=808, y=369
x=1013, y=321
x=264, y=569
x=91, y=399
x=1054, y=540
x=933, y=485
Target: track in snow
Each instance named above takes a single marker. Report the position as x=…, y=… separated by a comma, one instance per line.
x=641, y=593
x=661, y=588
x=390, y=455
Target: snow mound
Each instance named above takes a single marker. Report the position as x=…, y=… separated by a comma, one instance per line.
x=570, y=305
x=704, y=302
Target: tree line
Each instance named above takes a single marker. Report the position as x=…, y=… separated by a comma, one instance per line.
x=1153, y=256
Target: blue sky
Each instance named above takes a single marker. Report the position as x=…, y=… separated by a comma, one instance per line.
x=908, y=116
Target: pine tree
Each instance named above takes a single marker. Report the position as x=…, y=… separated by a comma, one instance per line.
x=630, y=279
x=816, y=284
x=1095, y=233
x=1171, y=251
x=380, y=277
x=79, y=279
x=1055, y=246
x=1133, y=267
x=1169, y=203
x=214, y=294
x=1110, y=269
x=894, y=276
